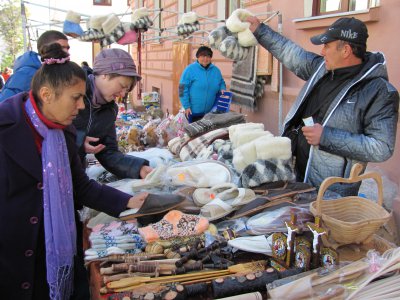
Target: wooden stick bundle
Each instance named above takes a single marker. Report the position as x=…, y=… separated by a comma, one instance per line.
x=126, y=284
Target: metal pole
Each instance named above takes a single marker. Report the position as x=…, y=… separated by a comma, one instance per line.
x=280, y=117
x=23, y=24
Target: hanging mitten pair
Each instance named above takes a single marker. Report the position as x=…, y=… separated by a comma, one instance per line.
x=234, y=39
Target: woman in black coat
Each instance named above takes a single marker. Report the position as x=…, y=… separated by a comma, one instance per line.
x=41, y=179
x=114, y=75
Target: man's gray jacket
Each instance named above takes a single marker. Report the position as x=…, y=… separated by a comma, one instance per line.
x=361, y=122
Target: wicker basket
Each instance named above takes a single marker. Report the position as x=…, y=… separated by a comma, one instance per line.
x=350, y=219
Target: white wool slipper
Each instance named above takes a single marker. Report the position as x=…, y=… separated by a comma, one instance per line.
x=245, y=136
x=223, y=191
x=199, y=174
x=216, y=209
x=242, y=197
x=111, y=24
x=95, y=22
x=274, y=147
x=217, y=36
x=235, y=128
x=246, y=38
x=231, y=49
x=244, y=156
x=188, y=18
x=235, y=21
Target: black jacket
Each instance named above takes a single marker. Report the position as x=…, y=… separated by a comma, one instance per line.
x=100, y=122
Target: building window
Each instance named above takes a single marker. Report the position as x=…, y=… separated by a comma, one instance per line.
x=102, y=2
x=136, y=3
x=185, y=6
x=323, y=7
x=230, y=6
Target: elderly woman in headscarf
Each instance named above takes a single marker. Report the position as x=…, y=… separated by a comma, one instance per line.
x=114, y=75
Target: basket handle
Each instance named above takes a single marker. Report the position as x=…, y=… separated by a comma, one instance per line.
x=355, y=176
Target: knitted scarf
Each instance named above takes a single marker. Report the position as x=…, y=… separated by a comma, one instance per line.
x=58, y=205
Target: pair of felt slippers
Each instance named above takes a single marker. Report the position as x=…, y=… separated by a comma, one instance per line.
x=221, y=200
x=154, y=204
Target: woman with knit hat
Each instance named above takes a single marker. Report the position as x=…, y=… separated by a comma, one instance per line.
x=114, y=75
x=199, y=85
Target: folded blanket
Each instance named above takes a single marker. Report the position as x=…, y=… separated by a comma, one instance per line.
x=213, y=121
x=133, y=238
x=92, y=254
x=200, y=144
x=246, y=87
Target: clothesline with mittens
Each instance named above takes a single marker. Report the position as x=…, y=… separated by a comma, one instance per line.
x=108, y=29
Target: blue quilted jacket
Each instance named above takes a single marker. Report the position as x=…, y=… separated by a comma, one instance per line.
x=360, y=124
x=198, y=87
x=25, y=66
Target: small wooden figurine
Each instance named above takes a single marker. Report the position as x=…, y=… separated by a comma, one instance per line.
x=292, y=230
x=317, y=231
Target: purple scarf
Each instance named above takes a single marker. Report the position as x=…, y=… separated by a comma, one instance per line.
x=97, y=98
x=58, y=205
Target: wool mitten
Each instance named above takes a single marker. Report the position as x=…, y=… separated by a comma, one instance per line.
x=71, y=26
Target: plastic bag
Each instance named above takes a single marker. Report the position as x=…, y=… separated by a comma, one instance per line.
x=274, y=220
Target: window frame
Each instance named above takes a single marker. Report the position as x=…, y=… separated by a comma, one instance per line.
x=344, y=7
x=229, y=7
x=103, y=3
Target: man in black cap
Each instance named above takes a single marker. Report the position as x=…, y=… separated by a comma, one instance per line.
x=354, y=109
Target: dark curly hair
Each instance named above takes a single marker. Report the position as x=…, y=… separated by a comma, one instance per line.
x=56, y=75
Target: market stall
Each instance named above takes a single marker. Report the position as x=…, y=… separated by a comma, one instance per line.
x=245, y=228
